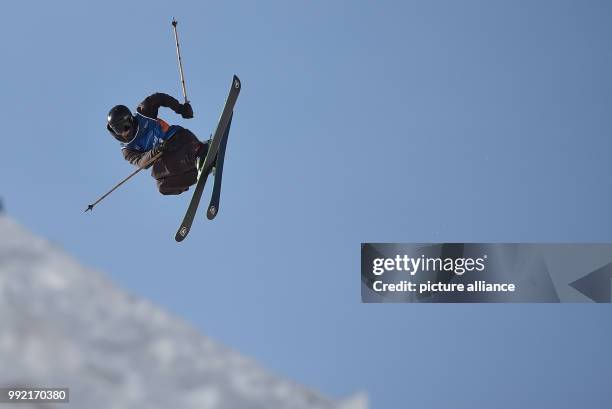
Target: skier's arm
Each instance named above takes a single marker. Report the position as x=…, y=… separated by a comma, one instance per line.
x=139, y=158
x=151, y=104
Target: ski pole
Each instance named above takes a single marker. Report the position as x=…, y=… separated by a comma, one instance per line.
x=180, y=61
x=154, y=158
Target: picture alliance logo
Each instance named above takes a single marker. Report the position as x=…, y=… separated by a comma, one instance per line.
x=414, y=265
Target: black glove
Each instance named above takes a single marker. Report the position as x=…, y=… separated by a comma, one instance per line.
x=187, y=111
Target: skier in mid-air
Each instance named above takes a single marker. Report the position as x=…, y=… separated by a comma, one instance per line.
x=144, y=135
x=178, y=159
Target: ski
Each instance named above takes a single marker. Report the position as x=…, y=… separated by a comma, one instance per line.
x=213, y=207
x=213, y=148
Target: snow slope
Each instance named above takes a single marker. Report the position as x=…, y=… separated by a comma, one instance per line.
x=62, y=325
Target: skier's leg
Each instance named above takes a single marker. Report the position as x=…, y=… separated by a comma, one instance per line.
x=168, y=190
x=177, y=184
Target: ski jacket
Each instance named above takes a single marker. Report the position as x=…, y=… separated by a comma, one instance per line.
x=151, y=130
x=181, y=147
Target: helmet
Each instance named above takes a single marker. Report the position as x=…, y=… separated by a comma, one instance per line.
x=120, y=123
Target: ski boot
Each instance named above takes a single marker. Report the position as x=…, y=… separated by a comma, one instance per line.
x=201, y=157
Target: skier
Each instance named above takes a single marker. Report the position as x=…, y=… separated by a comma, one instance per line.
x=144, y=135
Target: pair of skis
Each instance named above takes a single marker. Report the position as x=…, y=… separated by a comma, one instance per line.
x=214, y=158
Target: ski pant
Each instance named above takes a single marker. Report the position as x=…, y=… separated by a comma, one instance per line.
x=176, y=170
x=177, y=184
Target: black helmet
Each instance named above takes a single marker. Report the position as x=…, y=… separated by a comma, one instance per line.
x=120, y=123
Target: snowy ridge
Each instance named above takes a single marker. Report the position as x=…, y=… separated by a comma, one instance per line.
x=63, y=325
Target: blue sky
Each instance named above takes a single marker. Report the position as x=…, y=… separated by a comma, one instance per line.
x=358, y=122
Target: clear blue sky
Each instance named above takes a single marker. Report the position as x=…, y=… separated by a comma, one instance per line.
x=358, y=122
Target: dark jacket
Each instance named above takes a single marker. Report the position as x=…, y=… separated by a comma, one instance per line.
x=181, y=145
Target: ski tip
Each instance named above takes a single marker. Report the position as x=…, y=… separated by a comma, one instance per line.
x=181, y=234
x=237, y=83
x=212, y=212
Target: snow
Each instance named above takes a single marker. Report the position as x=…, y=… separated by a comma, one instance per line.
x=63, y=325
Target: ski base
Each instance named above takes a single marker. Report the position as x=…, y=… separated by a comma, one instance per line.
x=213, y=207
x=211, y=155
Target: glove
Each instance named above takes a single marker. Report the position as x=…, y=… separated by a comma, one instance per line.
x=187, y=111
x=162, y=147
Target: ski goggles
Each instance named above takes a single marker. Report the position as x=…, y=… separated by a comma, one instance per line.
x=121, y=131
